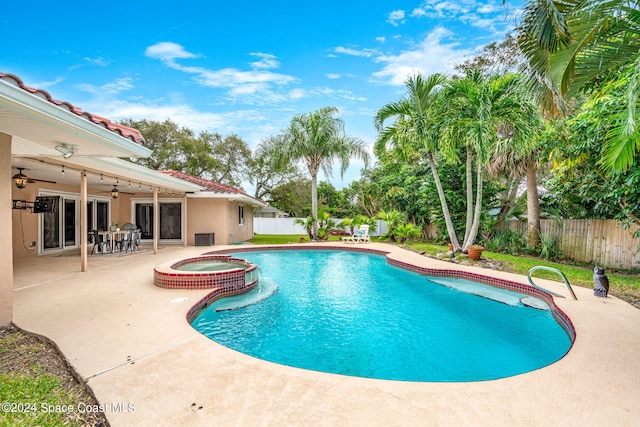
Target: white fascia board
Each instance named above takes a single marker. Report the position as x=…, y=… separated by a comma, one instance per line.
x=42, y=110
x=243, y=198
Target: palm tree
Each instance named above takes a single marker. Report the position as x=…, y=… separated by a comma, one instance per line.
x=406, y=232
x=393, y=219
x=318, y=140
x=572, y=45
x=416, y=127
x=487, y=116
x=307, y=223
x=516, y=166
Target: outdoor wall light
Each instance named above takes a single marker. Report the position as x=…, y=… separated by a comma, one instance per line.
x=20, y=179
x=67, y=150
x=114, y=192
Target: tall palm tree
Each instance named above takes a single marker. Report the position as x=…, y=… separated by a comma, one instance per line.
x=416, y=127
x=487, y=116
x=572, y=44
x=318, y=139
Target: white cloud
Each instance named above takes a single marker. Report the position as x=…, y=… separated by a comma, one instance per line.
x=183, y=114
x=366, y=53
x=381, y=39
x=118, y=85
x=432, y=55
x=255, y=86
x=267, y=60
x=418, y=13
x=443, y=8
x=395, y=17
x=297, y=94
x=333, y=76
x=111, y=88
x=489, y=8
x=167, y=51
x=460, y=10
x=338, y=94
x=48, y=84
x=100, y=61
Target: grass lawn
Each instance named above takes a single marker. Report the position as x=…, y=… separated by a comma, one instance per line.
x=37, y=386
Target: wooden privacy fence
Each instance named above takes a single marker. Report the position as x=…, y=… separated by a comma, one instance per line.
x=598, y=241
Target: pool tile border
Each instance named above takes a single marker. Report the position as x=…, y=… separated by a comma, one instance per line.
x=560, y=316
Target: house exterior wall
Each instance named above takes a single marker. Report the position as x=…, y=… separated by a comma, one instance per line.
x=6, y=262
x=203, y=215
x=219, y=216
x=25, y=223
x=207, y=216
x=240, y=232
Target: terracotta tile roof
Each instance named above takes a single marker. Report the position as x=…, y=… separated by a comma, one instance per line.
x=124, y=131
x=211, y=186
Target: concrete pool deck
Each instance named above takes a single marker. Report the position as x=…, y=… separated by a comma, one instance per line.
x=130, y=340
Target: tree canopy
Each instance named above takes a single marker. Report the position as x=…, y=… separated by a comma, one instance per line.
x=206, y=155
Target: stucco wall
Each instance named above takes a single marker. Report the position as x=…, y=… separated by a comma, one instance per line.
x=208, y=216
x=244, y=232
x=204, y=215
x=219, y=216
x=6, y=261
x=25, y=222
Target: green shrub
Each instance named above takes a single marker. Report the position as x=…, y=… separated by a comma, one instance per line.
x=506, y=241
x=549, y=248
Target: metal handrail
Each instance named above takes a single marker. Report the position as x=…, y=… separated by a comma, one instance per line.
x=554, y=270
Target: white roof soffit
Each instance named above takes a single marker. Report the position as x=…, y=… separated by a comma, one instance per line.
x=244, y=198
x=33, y=118
x=127, y=171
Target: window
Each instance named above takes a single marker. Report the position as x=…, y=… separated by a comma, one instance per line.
x=241, y=214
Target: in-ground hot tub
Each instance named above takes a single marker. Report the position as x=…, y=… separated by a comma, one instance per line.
x=223, y=273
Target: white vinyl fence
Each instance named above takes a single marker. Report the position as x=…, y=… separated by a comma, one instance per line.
x=288, y=226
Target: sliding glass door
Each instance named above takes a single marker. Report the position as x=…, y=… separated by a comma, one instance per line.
x=60, y=229
x=97, y=215
x=170, y=220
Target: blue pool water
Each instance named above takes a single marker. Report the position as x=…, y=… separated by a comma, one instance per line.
x=352, y=313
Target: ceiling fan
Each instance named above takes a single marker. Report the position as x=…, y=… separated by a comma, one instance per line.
x=21, y=180
x=115, y=192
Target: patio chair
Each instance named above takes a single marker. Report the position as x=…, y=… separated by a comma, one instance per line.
x=124, y=244
x=363, y=235
x=97, y=242
x=360, y=236
x=135, y=240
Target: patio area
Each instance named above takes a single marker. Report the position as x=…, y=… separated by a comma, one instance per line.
x=130, y=340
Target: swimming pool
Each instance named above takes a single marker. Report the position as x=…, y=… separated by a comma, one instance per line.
x=354, y=314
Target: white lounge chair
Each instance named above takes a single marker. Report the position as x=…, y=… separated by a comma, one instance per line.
x=360, y=236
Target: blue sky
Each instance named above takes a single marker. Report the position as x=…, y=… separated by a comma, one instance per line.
x=244, y=67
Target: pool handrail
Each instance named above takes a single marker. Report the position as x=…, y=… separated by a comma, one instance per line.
x=554, y=270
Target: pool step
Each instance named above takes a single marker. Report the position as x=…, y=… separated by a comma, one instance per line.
x=489, y=292
x=266, y=287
